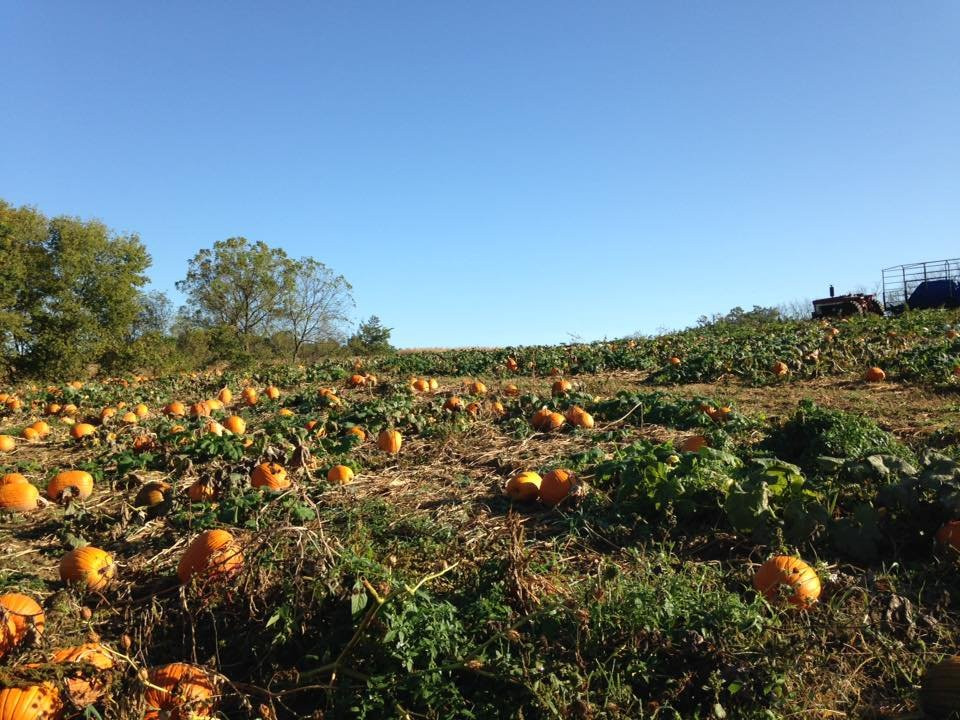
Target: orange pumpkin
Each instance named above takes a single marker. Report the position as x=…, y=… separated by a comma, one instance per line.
x=225, y=396
x=674, y=360
x=579, y=417
x=25, y=613
x=85, y=689
x=476, y=388
x=358, y=433
x=512, y=365
x=780, y=369
x=357, y=381
x=250, y=396
x=179, y=691
x=82, y=430
x=272, y=393
x=213, y=553
x=141, y=411
x=511, y=390
x=88, y=567
x=235, y=424
x=546, y=420
x=555, y=487
x=152, y=494
x=875, y=374
x=22, y=497
x=201, y=491
x=175, y=409
x=271, y=476
x=473, y=409
x=497, y=409
x=29, y=434
x=339, y=475
x=390, y=441
x=791, y=574
x=524, y=486
x=7, y=443
x=420, y=385
x=453, y=403
x=12, y=478
x=42, y=428
x=33, y=702
x=70, y=484
x=561, y=387
x=949, y=534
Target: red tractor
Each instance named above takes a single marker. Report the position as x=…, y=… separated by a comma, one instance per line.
x=846, y=305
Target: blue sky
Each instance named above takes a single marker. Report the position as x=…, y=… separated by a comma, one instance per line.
x=502, y=173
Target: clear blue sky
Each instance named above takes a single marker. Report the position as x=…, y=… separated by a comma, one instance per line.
x=502, y=173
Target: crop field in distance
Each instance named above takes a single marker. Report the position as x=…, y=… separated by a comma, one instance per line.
x=734, y=521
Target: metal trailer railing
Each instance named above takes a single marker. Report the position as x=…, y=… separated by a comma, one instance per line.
x=900, y=281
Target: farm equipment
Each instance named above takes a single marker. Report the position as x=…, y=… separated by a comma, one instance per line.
x=923, y=285
x=846, y=305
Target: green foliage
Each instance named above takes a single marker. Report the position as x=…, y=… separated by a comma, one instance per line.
x=370, y=338
x=814, y=431
x=74, y=297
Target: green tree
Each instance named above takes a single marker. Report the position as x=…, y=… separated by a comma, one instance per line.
x=240, y=285
x=23, y=232
x=370, y=338
x=89, y=283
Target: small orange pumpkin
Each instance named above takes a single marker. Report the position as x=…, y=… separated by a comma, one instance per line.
x=561, y=387
x=790, y=573
x=453, y=403
x=7, y=443
x=88, y=567
x=357, y=380
x=201, y=491
x=875, y=374
x=780, y=369
x=175, y=409
x=579, y=417
x=339, y=475
x=271, y=476
x=70, y=484
x=225, y=396
x=476, y=388
x=179, y=691
x=213, y=553
x=390, y=441
x=524, y=486
x=420, y=385
x=82, y=430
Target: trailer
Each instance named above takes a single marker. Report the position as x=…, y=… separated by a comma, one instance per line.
x=922, y=285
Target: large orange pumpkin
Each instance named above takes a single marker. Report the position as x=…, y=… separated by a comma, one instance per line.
x=390, y=441
x=555, y=487
x=7, y=443
x=88, y=567
x=34, y=702
x=213, y=553
x=546, y=420
x=179, y=691
x=22, y=497
x=70, y=484
x=784, y=573
x=24, y=611
x=271, y=476
x=524, y=486
x=421, y=385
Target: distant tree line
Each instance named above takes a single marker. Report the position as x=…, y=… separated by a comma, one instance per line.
x=73, y=299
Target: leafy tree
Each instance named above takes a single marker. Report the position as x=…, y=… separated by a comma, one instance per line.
x=315, y=306
x=370, y=338
x=23, y=232
x=71, y=293
x=156, y=314
x=238, y=284
x=739, y=316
